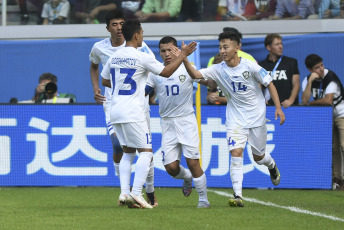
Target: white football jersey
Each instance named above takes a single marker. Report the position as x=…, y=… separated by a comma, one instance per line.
x=175, y=94
x=245, y=101
x=102, y=50
x=128, y=69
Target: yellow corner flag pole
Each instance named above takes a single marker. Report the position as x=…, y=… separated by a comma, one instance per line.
x=199, y=117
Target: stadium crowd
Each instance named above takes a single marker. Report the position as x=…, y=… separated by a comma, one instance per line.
x=93, y=11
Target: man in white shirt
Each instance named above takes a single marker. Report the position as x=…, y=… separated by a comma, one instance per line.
x=126, y=74
x=326, y=89
x=100, y=53
x=239, y=80
x=179, y=125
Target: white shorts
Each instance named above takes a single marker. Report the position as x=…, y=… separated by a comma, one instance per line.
x=133, y=134
x=256, y=137
x=106, y=107
x=179, y=134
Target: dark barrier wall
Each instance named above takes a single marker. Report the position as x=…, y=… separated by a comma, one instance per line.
x=58, y=145
x=22, y=62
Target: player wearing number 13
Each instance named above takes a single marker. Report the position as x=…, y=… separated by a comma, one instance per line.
x=238, y=79
x=126, y=71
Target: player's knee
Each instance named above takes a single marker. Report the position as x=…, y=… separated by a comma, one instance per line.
x=172, y=169
x=258, y=159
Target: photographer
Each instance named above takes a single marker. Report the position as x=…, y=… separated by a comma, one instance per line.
x=47, y=90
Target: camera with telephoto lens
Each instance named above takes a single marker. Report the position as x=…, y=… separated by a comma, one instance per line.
x=50, y=89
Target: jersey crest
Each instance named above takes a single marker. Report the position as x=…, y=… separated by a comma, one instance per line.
x=182, y=78
x=246, y=74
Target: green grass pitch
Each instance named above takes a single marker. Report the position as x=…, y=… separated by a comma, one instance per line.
x=96, y=208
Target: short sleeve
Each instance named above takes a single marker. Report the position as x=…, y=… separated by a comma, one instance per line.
x=151, y=64
x=151, y=81
x=64, y=9
x=94, y=57
x=209, y=73
x=331, y=88
x=261, y=75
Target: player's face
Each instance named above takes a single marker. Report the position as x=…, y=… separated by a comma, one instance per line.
x=319, y=69
x=228, y=49
x=115, y=28
x=276, y=47
x=165, y=53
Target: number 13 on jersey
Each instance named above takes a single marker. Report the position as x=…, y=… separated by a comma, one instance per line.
x=127, y=81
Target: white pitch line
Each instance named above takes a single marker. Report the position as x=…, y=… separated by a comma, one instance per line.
x=290, y=208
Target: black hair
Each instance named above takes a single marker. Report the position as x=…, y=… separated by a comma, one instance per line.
x=229, y=35
x=232, y=29
x=168, y=39
x=312, y=60
x=48, y=76
x=113, y=14
x=130, y=27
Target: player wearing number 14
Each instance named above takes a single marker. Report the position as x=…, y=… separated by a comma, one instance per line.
x=126, y=71
x=238, y=79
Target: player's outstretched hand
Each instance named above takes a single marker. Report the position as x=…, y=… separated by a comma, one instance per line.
x=100, y=99
x=175, y=51
x=279, y=113
x=189, y=48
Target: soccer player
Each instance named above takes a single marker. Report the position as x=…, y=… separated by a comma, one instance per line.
x=238, y=79
x=179, y=125
x=126, y=74
x=100, y=53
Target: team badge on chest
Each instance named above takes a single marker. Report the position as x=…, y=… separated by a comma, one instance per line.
x=182, y=78
x=246, y=74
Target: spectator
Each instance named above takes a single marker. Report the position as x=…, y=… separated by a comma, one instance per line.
x=55, y=12
x=191, y=10
x=290, y=9
x=156, y=10
x=215, y=95
x=283, y=70
x=24, y=18
x=326, y=89
x=329, y=9
x=47, y=89
x=131, y=7
x=232, y=9
x=93, y=11
x=265, y=8
x=240, y=52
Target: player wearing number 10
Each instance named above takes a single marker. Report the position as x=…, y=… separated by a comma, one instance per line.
x=126, y=72
x=238, y=79
x=179, y=125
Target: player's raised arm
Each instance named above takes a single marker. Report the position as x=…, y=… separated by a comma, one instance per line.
x=275, y=98
x=173, y=66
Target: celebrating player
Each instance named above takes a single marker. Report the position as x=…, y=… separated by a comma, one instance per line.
x=100, y=53
x=126, y=74
x=238, y=79
x=179, y=125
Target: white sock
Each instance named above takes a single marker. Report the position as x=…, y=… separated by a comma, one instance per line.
x=116, y=168
x=141, y=172
x=237, y=175
x=184, y=174
x=201, y=187
x=150, y=178
x=125, y=171
x=267, y=161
